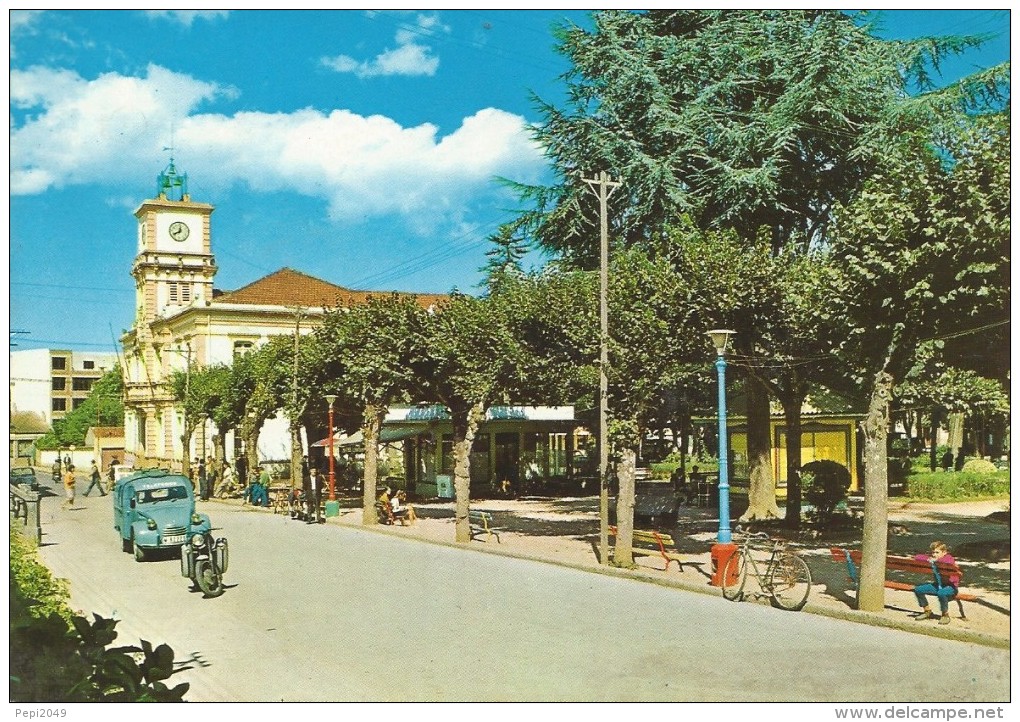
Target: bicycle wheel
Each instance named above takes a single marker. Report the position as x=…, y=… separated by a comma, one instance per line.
x=789, y=582
x=734, y=576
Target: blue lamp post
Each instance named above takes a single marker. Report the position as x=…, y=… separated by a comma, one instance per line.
x=724, y=546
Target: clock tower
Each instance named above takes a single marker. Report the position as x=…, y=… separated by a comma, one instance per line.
x=173, y=270
x=174, y=267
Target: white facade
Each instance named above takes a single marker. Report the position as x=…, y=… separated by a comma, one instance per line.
x=44, y=378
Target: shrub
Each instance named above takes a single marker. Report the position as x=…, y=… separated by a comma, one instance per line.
x=825, y=484
x=952, y=486
x=56, y=656
x=979, y=466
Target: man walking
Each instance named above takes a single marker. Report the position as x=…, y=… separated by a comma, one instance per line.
x=96, y=480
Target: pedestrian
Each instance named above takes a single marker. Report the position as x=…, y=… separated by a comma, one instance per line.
x=241, y=470
x=258, y=490
x=203, y=482
x=111, y=474
x=313, y=497
x=96, y=479
x=942, y=587
x=207, y=477
x=226, y=485
x=68, y=486
x=947, y=461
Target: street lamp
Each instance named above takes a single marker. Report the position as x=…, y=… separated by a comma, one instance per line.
x=724, y=546
x=332, y=506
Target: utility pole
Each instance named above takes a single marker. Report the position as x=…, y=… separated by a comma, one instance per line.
x=295, y=435
x=606, y=187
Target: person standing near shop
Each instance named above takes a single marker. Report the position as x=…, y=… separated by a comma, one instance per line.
x=313, y=490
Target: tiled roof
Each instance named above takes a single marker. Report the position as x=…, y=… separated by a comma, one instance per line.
x=288, y=287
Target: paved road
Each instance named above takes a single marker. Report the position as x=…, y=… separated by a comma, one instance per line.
x=328, y=613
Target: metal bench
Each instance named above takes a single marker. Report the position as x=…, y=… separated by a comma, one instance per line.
x=481, y=523
x=654, y=544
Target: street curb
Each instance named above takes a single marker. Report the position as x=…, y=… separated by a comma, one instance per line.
x=850, y=615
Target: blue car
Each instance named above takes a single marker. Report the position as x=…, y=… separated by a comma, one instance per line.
x=155, y=509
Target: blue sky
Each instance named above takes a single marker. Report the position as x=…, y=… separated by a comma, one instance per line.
x=359, y=147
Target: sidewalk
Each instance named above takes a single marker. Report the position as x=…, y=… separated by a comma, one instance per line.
x=565, y=531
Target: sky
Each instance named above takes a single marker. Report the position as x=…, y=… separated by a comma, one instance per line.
x=360, y=147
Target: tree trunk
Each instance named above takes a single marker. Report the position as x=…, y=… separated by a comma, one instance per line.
x=791, y=411
x=623, y=555
x=370, y=426
x=189, y=431
x=296, y=482
x=761, y=496
x=465, y=426
x=933, y=458
x=871, y=593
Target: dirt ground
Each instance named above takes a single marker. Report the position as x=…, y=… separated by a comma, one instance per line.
x=566, y=531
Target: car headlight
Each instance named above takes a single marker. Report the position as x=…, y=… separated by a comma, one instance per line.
x=198, y=541
x=151, y=523
x=196, y=519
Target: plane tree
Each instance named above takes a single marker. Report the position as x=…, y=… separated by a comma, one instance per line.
x=514, y=346
x=922, y=255
x=365, y=354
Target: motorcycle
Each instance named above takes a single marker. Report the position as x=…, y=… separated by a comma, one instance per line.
x=204, y=561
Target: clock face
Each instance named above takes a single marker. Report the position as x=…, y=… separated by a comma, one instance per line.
x=179, y=231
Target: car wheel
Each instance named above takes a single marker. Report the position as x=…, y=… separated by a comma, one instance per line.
x=139, y=552
x=125, y=545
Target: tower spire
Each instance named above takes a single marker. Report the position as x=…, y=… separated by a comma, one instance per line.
x=171, y=185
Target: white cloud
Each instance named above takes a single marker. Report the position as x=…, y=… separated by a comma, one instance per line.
x=187, y=17
x=76, y=130
x=410, y=57
x=110, y=129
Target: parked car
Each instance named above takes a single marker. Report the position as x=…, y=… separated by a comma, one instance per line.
x=155, y=509
x=24, y=475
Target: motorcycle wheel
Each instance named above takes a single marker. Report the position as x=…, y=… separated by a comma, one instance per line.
x=209, y=581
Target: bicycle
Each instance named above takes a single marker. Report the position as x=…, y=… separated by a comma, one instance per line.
x=785, y=578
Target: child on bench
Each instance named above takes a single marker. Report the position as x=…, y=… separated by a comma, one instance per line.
x=944, y=589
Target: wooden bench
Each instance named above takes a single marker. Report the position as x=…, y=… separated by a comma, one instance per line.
x=481, y=523
x=655, y=544
x=908, y=565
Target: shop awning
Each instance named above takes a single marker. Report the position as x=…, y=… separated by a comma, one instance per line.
x=387, y=435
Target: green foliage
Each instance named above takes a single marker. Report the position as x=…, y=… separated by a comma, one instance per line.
x=953, y=486
x=979, y=466
x=56, y=656
x=34, y=581
x=103, y=407
x=825, y=485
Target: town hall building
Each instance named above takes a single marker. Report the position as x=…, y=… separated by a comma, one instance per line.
x=182, y=321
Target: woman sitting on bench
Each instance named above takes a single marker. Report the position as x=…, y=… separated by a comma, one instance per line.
x=401, y=510
x=944, y=589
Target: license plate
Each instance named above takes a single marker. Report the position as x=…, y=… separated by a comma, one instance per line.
x=177, y=539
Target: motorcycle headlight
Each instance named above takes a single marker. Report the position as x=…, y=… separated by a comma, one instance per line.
x=196, y=519
x=198, y=541
x=151, y=523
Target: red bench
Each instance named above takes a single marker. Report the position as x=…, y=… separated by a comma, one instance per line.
x=909, y=565
x=655, y=544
